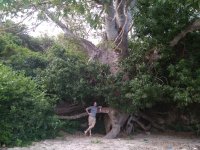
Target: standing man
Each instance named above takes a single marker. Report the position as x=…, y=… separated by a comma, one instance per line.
x=92, y=111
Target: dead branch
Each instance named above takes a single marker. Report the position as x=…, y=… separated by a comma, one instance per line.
x=103, y=110
x=73, y=117
x=67, y=110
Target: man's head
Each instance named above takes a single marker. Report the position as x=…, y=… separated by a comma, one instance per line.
x=95, y=103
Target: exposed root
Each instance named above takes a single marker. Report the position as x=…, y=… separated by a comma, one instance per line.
x=145, y=128
x=155, y=125
x=129, y=125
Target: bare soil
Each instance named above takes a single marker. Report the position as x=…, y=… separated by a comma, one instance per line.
x=134, y=142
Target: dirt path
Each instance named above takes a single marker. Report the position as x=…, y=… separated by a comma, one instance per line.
x=136, y=142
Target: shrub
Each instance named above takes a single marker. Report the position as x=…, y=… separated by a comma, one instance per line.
x=70, y=78
x=17, y=56
x=26, y=114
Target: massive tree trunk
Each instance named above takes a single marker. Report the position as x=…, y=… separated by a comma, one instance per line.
x=117, y=120
x=117, y=24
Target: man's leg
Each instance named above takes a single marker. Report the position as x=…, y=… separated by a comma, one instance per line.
x=86, y=131
x=91, y=122
x=92, y=126
x=90, y=132
x=89, y=129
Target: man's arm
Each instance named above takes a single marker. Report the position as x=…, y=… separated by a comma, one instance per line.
x=87, y=110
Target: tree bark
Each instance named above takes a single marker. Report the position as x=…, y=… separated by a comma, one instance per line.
x=111, y=27
x=116, y=120
x=107, y=123
x=129, y=125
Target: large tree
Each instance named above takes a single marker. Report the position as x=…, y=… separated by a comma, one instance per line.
x=115, y=19
x=114, y=16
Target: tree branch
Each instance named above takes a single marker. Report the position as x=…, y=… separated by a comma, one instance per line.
x=73, y=117
x=103, y=110
x=87, y=46
x=67, y=32
x=65, y=110
x=192, y=27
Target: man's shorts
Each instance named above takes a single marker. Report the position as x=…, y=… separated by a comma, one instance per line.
x=91, y=121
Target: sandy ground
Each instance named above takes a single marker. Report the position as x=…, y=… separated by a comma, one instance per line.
x=135, y=142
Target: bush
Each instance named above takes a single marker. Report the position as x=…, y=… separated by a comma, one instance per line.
x=70, y=126
x=15, y=55
x=26, y=114
x=70, y=78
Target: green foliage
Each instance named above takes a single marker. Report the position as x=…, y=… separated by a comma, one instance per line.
x=70, y=78
x=87, y=11
x=185, y=81
x=19, y=32
x=156, y=20
x=26, y=114
x=14, y=54
x=59, y=71
x=70, y=126
x=173, y=78
x=142, y=90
